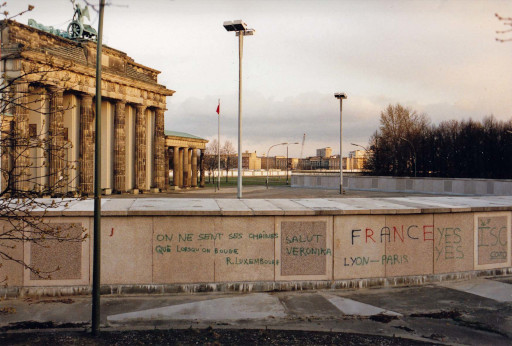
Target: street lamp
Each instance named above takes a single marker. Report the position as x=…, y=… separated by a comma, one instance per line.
x=241, y=30
x=268, y=151
x=414, y=152
x=341, y=97
x=359, y=145
x=287, y=160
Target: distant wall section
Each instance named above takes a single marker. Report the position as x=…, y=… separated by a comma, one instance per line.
x=449, y=186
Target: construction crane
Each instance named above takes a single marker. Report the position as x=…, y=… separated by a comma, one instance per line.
x=302, y=149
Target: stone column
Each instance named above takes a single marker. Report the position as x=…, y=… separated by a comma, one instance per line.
x=86, y=160
x=159, y=166
x=180, y=180
x=194, y=168
x=21, y=138
x=56, y=180
x=167, y=168
x=140, y=148
x=186, y=171
x=201, y=169
x=119, y=147
x=190, y=172
x=176, y=167
x=7, y=151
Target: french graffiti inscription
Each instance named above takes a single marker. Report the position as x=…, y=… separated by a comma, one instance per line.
x=304, y=248
x=198, y=244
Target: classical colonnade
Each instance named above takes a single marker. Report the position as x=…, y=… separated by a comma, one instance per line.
x=132, y=141
x=185, y=156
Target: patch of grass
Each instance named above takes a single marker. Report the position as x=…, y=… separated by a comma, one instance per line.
x=248, y=181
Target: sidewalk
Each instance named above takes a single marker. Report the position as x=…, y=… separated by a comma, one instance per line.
x=466, y=312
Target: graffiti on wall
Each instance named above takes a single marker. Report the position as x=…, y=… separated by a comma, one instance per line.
x=194, y=244
x=492, y=239
x=304, y=248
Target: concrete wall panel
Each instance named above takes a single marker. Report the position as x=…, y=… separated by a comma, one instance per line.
x=126, y=250
x=409, y=244
x=305, y=250
x=453, y=242
x=11, y=273
x=182, y=249
x=65, y=263
x=493, y=240
x=357, y=248
x=245, y=252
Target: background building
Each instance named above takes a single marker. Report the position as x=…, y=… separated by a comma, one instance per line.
x=251, y=161
x=324, y=152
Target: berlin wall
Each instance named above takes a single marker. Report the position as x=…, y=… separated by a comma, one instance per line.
x=192, y=242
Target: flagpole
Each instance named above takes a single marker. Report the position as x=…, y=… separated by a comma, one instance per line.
x=218, y=146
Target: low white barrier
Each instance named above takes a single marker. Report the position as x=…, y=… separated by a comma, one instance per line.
x=451, y=186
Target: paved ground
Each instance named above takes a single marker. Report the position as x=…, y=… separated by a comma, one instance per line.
x=476, y=312
x=260, y=191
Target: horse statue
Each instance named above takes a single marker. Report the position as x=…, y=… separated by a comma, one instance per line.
x=77, y=28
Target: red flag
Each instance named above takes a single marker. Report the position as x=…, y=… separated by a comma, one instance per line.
x=218, y=108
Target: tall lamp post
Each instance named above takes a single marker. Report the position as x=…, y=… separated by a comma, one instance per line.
x=268, y=151
x=96, y=265
x=413, y=151
x=341, y=97
x=241, y=30
x=287, y=160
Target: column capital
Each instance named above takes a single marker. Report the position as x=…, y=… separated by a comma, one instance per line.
x=86, y=98
x=140, y=108
x=120, y=106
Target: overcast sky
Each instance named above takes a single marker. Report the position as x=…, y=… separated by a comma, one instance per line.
x=437, y=57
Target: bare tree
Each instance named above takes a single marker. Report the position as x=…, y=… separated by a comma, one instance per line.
x=33, y=164
x=507, y=21
x=228, y=150
x=210, y=158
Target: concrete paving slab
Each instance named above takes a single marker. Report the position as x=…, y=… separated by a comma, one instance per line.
x=45, y=204
x=347, y=206
x=308, y=304
x=252, y=306
x=233, y=207
x=112, y=207
x=423, y=299
x=492, y=289
x=424, y=206
x=263, y=207
x=355, y=204
x=82, y=208
x=453, y=203
x=291, y=207
x=383, y=206
x=173, y=206
x=319, y=205
x=353, y=307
